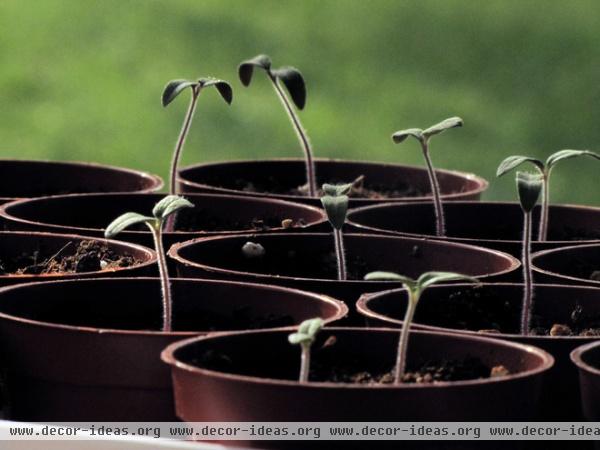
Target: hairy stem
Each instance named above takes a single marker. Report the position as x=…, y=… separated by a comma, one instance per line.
x=340, y=254
x=527, y=277
x=404, y=334
x=302, y=136
x=304, y=363
x=181, y=140
x=435, y=190
x=165, y=285
x=543, y=231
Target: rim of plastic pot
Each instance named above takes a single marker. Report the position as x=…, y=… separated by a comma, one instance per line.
x=168, y=357
x=482, y=183
x=577, y=357
x=342, y=309
x=543, y=253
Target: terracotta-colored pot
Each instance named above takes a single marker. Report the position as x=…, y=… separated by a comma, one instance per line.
x=568, y=265
x=306, y=261
x=274, y=178
x=262, y=385
x=496, y=225
x=441, y=309
x=16, y=244
x=89, y=350
x=587, y=360
x=212, y=215
x=33, y=178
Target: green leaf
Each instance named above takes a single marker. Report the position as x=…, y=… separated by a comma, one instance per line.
x=390, y=276
x=222, y=86
x=307, y=331
x=400, y=136
x=336, y=209
x=444, y=125
x=246, y=68
x=337, y=189
x=124, y=221
x=529, y=186
x=173, y=89
x=567, y=154
x=169, y=205
x=428, y=278
x=294, y=82
x=512, y=162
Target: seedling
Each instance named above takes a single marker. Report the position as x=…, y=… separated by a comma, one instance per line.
x=294, y=82
x=423, y=136
x=415, y=289
x=512, y=162
x=171, y=91
x=335, y=202
x=305, y=336
x=163, y=209
x=529, y=187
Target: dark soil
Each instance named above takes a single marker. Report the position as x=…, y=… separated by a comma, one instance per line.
x=374, y=191
x=487, y=310
x=574, y=234
x=199, y=220
x=87, y=256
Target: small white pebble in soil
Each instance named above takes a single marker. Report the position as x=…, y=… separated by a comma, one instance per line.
x=595, y=275
x=287, y=223
x=558, y=329
x=499, y=371
x=103, y=264
x=253, y=250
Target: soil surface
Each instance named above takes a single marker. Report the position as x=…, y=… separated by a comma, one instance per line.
x=87, y=256
x=199, y=220
x=487, y=310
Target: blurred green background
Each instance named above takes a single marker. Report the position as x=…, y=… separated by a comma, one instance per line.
x=81, y=80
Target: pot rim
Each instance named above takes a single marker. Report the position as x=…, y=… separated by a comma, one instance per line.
x=577, y=357
x=156, y=182
x=483, y=184
x=27, y=278
x=175, y=248
x=342, y=308
x=569, y=248
x=10, y=217
x=168, y=357
x=464, y=240
x=362, y=307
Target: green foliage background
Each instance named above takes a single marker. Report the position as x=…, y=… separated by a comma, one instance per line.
x=81, y=80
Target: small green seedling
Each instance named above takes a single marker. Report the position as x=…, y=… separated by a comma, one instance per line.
x=423, y=136
x=294, y=82
x=415, y=289
x=305, y=336
x=529, y=187
x=335, y=202
x=161, y=211
x=512, y=162
x=170, y=92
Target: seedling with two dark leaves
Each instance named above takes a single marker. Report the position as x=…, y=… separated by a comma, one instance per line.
x=293, y=80
x=544, y=169
x=424, y=136
x=161, y=211
x=335, y=201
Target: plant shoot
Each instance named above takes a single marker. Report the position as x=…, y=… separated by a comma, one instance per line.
x=335, y=202
x=415, y=289
x=161, y=211
x=170, y=92
x=544, y=169
x=529, y=187
x=305, y=336
x=294, y=82
x=423, y=136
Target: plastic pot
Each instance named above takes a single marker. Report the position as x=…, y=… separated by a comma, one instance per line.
x=275, y=178
x=587, y=360
x=31, y=178
x=16, y=244
x=306, y=261
x=569, y=265
x=496, y=225
x=212, y=215
x=466, y=310
x=89, y=350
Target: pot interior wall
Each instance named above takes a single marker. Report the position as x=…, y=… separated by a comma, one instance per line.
x=579, y=262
